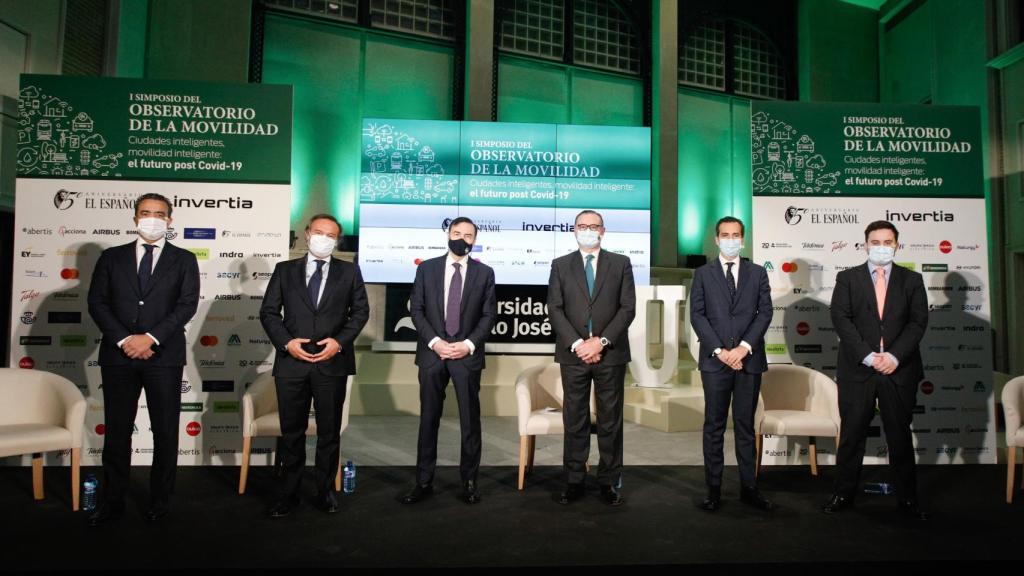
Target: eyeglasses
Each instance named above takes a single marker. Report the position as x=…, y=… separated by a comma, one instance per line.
x=594, y=227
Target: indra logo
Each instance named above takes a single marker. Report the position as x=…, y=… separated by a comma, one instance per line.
x=28, y=318
x=927, y=387
x=193, y=428
x=803, y=328
x=207, y=341
x=27, y=363
x=64, y=199
x=794, y=215
x=945, y=246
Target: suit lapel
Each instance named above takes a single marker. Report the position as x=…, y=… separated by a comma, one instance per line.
x=869, y=286
x=895, y=285
x=299, y=277
x=163, y=264
x=715, y=269
x=576, y=267
x=471, y=273
x=333, y=278
x=601, y=272
x=742, y=275
x=131, y=267
x=439, y=287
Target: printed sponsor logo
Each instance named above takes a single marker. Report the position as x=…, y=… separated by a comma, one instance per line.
x=945, y=246
x=974, y=328
x=803, y=328
x=808, y=348
x=228, y=297
x=234, y=340
x=776, y=349
x=29, y=295
x=200, y=233
x=35, y=340
x=261, y=275
x=27, y=363
x=201, y=253
x=260, y=341
x=37, y=231
x=907, y=265
x=191, y=406
x=73, y=340
x=218, y=385
x=927, y=387
x=966, y=366
x=207, y=341
x=28, y=253
x=935, y=268
x=68, y=231
x=979, y=386
x=812, y=246
x=789, y=267
x=64, y=317
x=28, y=318
x=69, y=273
x=193, y=428
x=936, y=216
x=186, y=386
x=225, y=406
x=211, y=363
x=229, y=275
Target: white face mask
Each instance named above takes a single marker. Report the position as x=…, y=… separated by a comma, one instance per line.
x=730, y=247
x=880, y=255
x=152, y=229
x=588, y=238
x=321, y=246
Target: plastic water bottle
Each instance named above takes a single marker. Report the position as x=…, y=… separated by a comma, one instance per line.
x=881, y=488
x=89, y=487
x=348, y=484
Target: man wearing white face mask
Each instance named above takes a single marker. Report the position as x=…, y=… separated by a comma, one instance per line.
x=591, y=303
x=313, y=309
x=880, y=313
x=730, y=310
x=141, y=296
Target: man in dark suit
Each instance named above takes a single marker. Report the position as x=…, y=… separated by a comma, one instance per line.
x=453, y=307
x=141, y=296
x=313, y=309
x=880, y=313
x=591, y=303
x=730, y=310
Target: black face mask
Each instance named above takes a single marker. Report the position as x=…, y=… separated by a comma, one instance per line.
x=459, y=247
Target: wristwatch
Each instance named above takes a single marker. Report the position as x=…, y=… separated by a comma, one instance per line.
x=605, y=342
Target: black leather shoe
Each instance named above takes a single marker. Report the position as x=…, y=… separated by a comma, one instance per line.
x=470, y=494
x=418, y=493
x=328, y=502
x=105, y=513
x=571, y=493
x=837, y=503
x=713, y=501
x=911, y=509
x=753, y=497
x=157, y=510
x=282, y=508
x=611, y=496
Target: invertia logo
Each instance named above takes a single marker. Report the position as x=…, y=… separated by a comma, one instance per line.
x=927, y=387
x=193, y=428
x=27, y=363
x=101, y=429
x=945, y=246
x=69, y=273
x=803, y=328
x=789, y=267
x=208, y=341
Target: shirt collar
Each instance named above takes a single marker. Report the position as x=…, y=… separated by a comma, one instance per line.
x=310, y=259
x=888, y=268
x=585, y=254
x=159, y=244
x=723, y=261
x=451, y=260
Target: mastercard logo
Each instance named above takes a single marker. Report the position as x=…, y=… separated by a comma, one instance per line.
x=208, y=341
x=193, y=428
x=27, y=363
x=789, y=267
x=69, y=273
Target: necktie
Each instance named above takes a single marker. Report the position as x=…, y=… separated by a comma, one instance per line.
x=146, y=268
x=730, y=280
x=880, y=287
x=454, y=306
x=589, y=271
x=314, y=283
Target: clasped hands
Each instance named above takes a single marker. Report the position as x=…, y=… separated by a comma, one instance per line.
x=331, y=348
x=884, y=364
x=590, y=350
x=138, y=346
x=450, y=350
x=733, y=358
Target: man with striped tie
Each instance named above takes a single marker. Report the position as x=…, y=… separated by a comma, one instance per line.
x=880, y=313
x=453, y=306
x=591, y=303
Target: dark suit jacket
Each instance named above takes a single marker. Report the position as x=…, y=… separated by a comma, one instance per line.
x=479, y=310
x=723, y=323
x=120, y=309
x=287, y=312
x=613, y=305
x=855, y=317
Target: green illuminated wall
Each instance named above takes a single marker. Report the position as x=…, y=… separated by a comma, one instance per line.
x=341, y=75
x=714, y=167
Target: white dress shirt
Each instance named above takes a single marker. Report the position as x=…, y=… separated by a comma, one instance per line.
x=140, y=251
x=736, y=284
x=596, y=254
x=449, y=271
x=311, y=269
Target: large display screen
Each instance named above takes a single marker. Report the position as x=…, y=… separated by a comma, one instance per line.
x=522, y=184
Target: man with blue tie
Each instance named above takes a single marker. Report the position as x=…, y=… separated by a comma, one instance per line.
x=313, y=309
x=730, y=310
x=453, y=306
x=141, y=296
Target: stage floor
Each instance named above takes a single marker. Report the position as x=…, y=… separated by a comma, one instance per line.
x=211, y=527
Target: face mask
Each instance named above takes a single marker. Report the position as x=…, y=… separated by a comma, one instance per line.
x=730, y=247
x=588, y=238
x=152, y=229
x=880, y=255
x=321, y=246
x=459, y=247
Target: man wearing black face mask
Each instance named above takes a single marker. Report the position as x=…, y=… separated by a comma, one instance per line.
x=453, y=307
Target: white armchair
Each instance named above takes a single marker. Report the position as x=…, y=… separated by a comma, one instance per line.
x=797, y=401
x=260, y=418
x=41, y=412
x=1013, y=403
x=539, y=402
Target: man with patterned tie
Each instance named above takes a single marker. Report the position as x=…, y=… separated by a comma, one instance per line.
x=313, y=309
x=880, y=313
x=141, y=296
x=591, y=303
x=730, y=310
x=453, y=306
